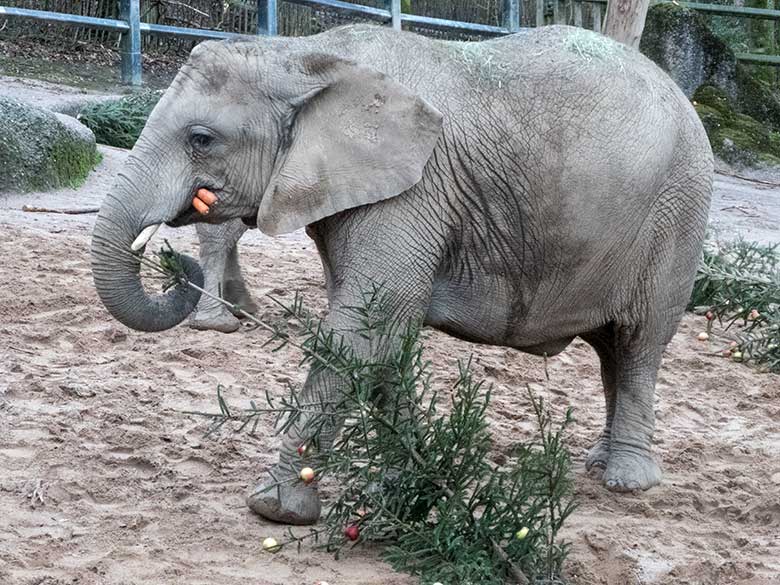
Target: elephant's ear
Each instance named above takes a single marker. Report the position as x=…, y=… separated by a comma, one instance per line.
x=358, y=137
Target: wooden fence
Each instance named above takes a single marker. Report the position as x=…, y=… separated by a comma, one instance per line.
x=261, y=17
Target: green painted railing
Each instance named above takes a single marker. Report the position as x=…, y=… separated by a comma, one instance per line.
x=741, y=12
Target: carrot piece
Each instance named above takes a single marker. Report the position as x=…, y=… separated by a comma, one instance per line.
x=199, y=206
x=207, y=196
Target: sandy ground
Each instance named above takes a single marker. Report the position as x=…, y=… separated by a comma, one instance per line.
x=59, y=98
x=103, y=480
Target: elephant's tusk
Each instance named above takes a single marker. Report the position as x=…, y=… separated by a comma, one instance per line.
x=144, y=237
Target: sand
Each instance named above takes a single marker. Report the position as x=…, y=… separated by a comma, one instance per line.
x=103, y=480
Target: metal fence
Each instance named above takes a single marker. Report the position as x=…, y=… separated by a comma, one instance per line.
x=131, y=27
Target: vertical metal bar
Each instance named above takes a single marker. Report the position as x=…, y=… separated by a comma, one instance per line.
x=770, y=4
x=266, y=17
x=130, y=11
x=512, y=15
x=596, y=17
x=539, y=12
x=394, y=6
x=578, y=13
x=556, y=11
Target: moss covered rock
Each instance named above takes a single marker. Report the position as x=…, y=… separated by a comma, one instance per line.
x=41, y=150
x=682, y=44
x=737, y=138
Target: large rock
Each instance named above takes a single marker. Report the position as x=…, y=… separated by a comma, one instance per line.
x=682, y=44
x=41, y=150
x=736, y=138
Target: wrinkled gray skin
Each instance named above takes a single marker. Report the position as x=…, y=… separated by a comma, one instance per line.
x=518, y=192
x=222, y=277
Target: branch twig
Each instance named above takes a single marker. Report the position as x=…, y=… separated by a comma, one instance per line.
x=74, y=211
x=748, y=179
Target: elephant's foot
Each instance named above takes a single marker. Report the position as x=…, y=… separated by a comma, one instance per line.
x=628, y=471
x=598, y=456
x=222, y=321
x=236, y=293
x=293, y=503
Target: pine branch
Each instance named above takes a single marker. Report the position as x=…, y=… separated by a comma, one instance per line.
x=423, y=480
x=410, y=475
x=740, y=282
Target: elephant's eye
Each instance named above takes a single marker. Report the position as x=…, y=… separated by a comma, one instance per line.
x=201, y=140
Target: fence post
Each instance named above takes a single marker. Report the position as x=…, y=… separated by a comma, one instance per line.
x=266, y=17
x=512, y=15
x=596, y=17
x=394, y=6
x=130, y=12
x=539, y=12
x=578, y=13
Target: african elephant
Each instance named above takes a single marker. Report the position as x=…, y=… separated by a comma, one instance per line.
x=222, y=277
x=520, y=192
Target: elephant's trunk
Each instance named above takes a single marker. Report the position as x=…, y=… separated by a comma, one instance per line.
x=116, y=269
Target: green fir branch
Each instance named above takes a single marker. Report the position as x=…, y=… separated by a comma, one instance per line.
x=739, y=282
x=421, y=481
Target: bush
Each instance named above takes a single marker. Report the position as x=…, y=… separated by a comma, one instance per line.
x=120, y=122
x=417, y=479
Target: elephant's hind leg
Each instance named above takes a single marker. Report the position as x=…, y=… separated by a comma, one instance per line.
x=217, y=245
x=629, y=363
x=235, y=290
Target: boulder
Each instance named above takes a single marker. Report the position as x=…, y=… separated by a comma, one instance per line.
x=41, y=150
x=682, y=44
x=736, y=138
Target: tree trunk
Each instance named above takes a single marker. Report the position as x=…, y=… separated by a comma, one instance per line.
x=625, y=20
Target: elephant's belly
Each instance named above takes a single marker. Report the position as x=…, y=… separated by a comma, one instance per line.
x=492, y=315
x=467, y=314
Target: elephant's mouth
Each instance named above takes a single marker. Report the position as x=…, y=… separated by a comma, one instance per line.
x=189, y=214
x=185, y=217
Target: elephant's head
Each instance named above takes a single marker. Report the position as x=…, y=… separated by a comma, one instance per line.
x=282, y=138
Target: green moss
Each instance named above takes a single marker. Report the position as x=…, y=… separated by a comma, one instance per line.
x=755, y=97
x=737, y=138
x=71, y=163
x=716, y=99
x=41, y=152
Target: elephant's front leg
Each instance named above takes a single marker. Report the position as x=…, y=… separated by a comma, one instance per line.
x=281, y=496
x=222, y=276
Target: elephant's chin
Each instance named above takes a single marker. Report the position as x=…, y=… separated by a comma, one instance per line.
x=250, y=220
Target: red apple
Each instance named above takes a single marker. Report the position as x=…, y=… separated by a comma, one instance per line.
x=352, y=532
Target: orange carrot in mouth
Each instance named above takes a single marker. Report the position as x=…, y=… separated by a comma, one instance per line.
x=199, y=206
x=207, y=196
